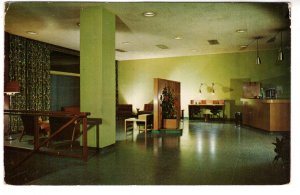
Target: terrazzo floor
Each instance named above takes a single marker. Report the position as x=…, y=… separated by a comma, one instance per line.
x=202, y=153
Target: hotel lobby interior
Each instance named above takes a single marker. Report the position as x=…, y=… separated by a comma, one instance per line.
x=147, y=93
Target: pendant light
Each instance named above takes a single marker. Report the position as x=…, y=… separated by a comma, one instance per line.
x=280, y=53
x=258, y=61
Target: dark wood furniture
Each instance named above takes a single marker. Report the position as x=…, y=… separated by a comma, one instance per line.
x=73, y=109
x=70, y=132
x=72, y=117
x=148, y=109
x=28, y=126
x=124, y=111
x=49, y=127
x=216, y=107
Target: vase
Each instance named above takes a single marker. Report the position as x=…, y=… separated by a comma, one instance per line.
x=170, y=124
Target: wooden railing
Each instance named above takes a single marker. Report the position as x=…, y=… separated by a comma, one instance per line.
x=80, y=118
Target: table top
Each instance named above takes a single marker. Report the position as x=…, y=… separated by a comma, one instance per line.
x=206, y=104
x=267, y=101
x=134, y=119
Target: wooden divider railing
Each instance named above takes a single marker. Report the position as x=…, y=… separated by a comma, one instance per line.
x=80, y=117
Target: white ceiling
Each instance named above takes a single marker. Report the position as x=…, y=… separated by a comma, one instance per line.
x=56, y=23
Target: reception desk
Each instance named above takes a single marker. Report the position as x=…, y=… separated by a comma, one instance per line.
x=267, y=114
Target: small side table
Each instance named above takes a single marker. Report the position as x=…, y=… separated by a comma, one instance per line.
x=132, y=122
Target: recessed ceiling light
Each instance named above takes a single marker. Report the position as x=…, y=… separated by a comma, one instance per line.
x=241, y=30
x=243, y=46
x=31, y=32
x=161, y=46
x=121, y=50
x=213, y=42
x=178, y=37
x=149, y=14
x=125, y=42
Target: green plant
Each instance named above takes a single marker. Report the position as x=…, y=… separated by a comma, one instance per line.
x=282, y=149
x=167, y=103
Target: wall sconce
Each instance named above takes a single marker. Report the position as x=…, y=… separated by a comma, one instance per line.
x=200, y=90
x=213, y=89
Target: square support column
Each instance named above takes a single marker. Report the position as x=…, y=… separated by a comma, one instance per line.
x=97, y=72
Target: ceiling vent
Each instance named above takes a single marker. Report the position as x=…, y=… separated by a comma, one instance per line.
x=162, y=46
x=121, y=50
x=213, y=42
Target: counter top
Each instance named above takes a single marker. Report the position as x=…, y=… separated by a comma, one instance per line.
x=268, y=101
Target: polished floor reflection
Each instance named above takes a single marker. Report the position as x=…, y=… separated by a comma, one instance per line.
x=201, y=154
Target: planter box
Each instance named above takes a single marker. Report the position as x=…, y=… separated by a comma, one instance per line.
x=170, y=124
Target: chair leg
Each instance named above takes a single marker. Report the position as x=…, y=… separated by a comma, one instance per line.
x=21, y=135
x=73, y=133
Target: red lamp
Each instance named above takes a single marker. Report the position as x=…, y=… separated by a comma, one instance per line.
x=11, y=88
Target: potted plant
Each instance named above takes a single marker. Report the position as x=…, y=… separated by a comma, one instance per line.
x=168, y=109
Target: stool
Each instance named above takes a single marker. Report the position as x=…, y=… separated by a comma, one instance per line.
x=206, y=117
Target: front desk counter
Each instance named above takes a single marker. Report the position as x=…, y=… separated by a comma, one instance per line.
x=267, y=114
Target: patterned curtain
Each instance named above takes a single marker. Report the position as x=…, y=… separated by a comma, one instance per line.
x=29, y=64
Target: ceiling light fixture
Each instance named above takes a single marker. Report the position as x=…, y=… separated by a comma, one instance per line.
x=161, y=46
x=120, y=50
x=125, y=42
x=178, y=37
x=280, y=53
x=149, y=14
x=258, y=61
x=213, y=42
x=243, y=46
x=31, y=33
x=241, y=30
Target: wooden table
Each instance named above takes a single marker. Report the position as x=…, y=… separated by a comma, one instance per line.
x=196, y=108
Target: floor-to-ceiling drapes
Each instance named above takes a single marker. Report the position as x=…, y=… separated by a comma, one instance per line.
x=29, y=64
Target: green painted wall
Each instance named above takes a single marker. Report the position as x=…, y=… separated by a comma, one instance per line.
x=228, y=72
x=97, y=71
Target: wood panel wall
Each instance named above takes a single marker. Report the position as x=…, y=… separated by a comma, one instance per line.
x=159, y=85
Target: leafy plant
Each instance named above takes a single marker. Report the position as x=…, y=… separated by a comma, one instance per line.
x=282, y=149
x=168, y=103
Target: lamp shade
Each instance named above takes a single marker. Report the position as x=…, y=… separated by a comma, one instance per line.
x=12, y=87
x=280, y=55
x=258, y=61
